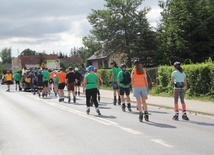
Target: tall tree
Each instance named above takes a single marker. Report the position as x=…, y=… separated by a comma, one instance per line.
x=123, y=28
x=28, y=52
x=5, y=55
x=186, y=31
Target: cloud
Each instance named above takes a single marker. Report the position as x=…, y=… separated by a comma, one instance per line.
x=51, y=25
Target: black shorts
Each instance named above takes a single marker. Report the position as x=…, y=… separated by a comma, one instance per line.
x=17, y=82
x=115, y=85
x=124, y=90
x=40, y=84
x=9, y=82
x=61, y=86
x=45, y=83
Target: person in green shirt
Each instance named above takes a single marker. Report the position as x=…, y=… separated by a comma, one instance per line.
x=124, y=82
x=115, y=70
x=46, y=75
x=91, y=85
x=17, y=78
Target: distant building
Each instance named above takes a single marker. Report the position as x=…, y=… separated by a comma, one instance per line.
x=102, y=60
x=29, y=61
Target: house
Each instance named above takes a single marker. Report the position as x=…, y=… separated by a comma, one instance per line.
x=102, y=60
x=32, y=61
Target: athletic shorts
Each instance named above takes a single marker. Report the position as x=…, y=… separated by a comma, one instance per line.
x=124, y=90
x=9, y=82
x=115, y=85
x=61, y=86
x=40, y=84
x=140, y=92
x=70, y=86
x=17, y=82
x=45, y=83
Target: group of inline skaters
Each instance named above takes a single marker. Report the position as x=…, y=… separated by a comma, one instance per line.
x=121, y=80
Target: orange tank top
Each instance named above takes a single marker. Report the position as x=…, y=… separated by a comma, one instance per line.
x=138, y=79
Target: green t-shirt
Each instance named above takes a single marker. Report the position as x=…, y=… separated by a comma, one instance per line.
x=17, y=77
x=46, y=75
x=115, y=72
x=120, y=77
x=91, y=81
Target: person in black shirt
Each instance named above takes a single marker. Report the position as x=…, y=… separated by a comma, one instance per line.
x=40, y=82
x=71, y=80
x=79, y=80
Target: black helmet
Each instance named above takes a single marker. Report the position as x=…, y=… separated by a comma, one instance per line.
x=136, y=62
x=113, y=63
x=123, y=66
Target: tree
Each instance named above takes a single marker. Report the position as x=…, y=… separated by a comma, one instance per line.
x=186, y=31
x=28, y=52
x=122, y=28
x=5, y=55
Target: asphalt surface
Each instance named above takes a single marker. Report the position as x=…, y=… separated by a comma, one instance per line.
x=32, y=125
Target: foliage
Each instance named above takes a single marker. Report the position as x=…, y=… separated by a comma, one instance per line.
x=123, y=28
x=28, y=52
x=5, y=55
x=186, y=31
x=200, y=79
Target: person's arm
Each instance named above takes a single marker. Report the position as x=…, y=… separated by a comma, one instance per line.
x=84, y=83
x=118, y=78
x=185, y=83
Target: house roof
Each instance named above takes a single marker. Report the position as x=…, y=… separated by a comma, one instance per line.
x=35, y=59
x=70, y=60
x=98, y=55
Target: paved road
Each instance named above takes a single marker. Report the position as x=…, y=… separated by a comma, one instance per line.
x=30, y=126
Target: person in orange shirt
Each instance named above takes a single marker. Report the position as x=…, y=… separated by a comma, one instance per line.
x=62, y=79
x=140, y=89
x=8, y=79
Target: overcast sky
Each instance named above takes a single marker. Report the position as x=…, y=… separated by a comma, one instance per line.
x=51, y=25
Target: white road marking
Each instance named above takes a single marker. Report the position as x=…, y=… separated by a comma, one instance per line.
x=97, y=119
x=161, y=142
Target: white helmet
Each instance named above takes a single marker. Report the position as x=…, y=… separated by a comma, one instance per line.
x=76, y=69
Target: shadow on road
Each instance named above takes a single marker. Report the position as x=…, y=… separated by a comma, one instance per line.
x=105, y=116
x=201, y=123
x=161, y=125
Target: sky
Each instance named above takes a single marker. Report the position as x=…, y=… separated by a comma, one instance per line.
x=50, y=25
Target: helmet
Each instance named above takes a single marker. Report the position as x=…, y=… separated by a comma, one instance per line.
x=76, y=69
x=177, y=63
x=136, y=62
x=113, y=63
x=70, y=68
x=123, y=66
x=90, y=68
x=95, y=69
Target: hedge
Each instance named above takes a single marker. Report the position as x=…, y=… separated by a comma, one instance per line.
x=151, y=74
x=200, y=79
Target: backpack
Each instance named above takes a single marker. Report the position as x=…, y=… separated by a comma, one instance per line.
x=126, y=77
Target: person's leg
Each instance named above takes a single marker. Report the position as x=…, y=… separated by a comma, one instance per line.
x=127, y=91
x=94, y=98
x=88, y=98
x=176, y=95
x=122, y=90
x=182, y=94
